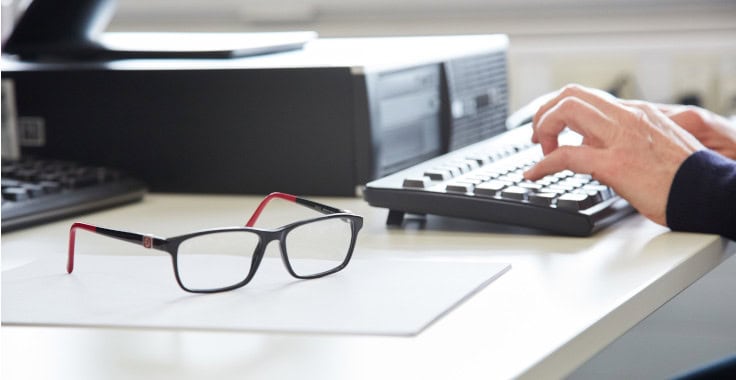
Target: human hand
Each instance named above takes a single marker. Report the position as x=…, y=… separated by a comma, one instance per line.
x=714, y=131
x=633, y=148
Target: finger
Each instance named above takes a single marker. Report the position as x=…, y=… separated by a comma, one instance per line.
x=573, y=113
x=691, y=118
x=661, y=124
x=688, y=118
x=580, y=159
x=600, y=99
x=652, y=112
x=667, y=109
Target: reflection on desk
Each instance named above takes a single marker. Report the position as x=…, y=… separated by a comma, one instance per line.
x=565, y=299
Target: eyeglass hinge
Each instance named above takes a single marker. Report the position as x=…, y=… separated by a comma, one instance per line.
x=148, y=241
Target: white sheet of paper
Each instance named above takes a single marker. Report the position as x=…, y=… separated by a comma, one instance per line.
x=381, y=297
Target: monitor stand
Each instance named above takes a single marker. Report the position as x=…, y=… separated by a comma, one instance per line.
x=72, y=30
x=199, y=45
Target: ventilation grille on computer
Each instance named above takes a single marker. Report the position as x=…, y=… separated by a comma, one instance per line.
x=478, y=98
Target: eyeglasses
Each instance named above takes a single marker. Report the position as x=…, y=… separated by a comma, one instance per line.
x=222, y=259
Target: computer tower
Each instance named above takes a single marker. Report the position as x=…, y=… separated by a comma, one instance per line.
x=322, y=120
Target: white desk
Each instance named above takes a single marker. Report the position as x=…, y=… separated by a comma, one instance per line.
x=563, y=300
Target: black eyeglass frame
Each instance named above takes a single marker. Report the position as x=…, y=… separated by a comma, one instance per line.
x=265, y=237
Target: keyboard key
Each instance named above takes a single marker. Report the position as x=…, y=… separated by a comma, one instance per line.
x=497, y=155
x=79, y=180
x=532, y=186
x=7, y=182
x=453, y=170
x=54, y=177
x=552, y=190
x=512, y=177
x=480, y=177
x=460, y=187
x=574, y=201
x=479, y=159
x=15, y=193
x=493, y=172
x=438, y=175
x=595, y=197
x=515, y=192
x=462, y=166
x=471, y=180
x=548, y=180
x=27, y=174
x=564, y=174
x=417, y=183
x=469, y=164
x=574, y=182
x=542, y=199
x=50, y=187
x=490, y=188
x=603, y=191
x=561, y=187
x=34, y=190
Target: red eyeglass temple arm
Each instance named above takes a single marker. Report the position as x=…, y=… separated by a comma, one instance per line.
x=72, y=238
x=147, y=241
x=293, y=198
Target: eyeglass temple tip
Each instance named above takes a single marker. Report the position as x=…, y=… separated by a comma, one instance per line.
x=72, y=239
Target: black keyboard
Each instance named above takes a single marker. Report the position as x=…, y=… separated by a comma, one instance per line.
x=36, y=191
x=484, y=181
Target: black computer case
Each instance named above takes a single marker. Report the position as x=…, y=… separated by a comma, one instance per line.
x=322, y=120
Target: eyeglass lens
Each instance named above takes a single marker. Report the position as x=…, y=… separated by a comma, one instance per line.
x=317, y=247
x=223, y=259
x=216, y=260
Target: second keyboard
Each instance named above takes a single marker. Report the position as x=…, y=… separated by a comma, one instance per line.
x=36, y=191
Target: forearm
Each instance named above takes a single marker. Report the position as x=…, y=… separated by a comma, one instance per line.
x=703, y=195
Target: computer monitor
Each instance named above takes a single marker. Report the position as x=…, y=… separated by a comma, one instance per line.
x=63, y=29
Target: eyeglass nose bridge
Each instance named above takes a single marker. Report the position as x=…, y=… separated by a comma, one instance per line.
x=266, y=237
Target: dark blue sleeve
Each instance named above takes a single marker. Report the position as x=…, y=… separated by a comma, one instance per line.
x=703, y=195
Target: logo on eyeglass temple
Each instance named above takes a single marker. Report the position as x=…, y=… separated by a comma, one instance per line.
x=147, y=241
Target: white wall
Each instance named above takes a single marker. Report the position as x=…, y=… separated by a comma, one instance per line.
x=659, y=49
